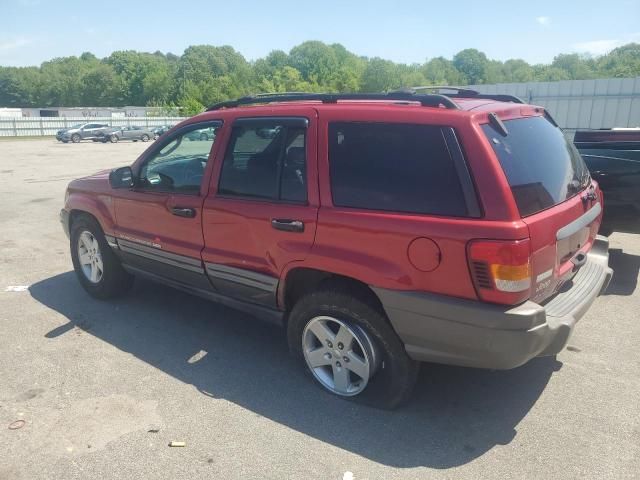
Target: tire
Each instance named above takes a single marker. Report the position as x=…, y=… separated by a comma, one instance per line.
x=204, y=137
x=145, y=138
x=113, y=138
x=113, y=280
x=395, y=374
x=75, y=138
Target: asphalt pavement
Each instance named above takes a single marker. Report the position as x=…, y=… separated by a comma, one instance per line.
x=99, y=389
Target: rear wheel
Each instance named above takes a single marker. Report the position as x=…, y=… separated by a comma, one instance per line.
x=97, y=267
x=75, y=138
x=145, y=138
x=350, y=349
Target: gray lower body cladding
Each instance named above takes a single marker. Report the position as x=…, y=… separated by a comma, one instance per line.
x=449, y=330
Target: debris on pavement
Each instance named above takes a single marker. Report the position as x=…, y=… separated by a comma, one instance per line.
x=17, y=424
x=17, y=288
x=177, y=444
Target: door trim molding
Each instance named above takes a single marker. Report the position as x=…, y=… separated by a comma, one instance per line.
x=243, y=277
x=173, y=259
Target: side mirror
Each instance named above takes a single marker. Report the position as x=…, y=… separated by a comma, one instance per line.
x=121, y=178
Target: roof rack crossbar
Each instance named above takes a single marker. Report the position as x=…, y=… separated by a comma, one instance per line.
x=489, y=96
x=467, y=91
x=430, y=100
x=463, y=92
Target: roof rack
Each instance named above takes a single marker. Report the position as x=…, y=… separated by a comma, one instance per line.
x=426, y=100
x=439, y=88
x=463, y=92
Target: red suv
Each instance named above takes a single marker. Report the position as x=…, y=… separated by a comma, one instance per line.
x=380, y=230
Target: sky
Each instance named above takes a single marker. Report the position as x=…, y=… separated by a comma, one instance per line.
x=33, y=31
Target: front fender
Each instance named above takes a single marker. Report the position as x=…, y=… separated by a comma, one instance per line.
x=100, y=206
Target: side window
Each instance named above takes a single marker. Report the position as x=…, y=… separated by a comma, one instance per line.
x=179, y=165
x=394, y=167
x=266, y=159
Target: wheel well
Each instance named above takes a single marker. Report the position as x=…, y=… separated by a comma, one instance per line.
x=75, y=214
x=301, y=281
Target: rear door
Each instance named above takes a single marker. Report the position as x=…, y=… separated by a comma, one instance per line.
x=555, y=196
x=263, y=209
x=89, y=130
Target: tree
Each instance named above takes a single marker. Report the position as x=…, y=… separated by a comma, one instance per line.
x=440, y=71
x=576, y=66
x=472, y=64
x=621, y=62
x=205, y=74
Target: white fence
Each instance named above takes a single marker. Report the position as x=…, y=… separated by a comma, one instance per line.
x=40, y=126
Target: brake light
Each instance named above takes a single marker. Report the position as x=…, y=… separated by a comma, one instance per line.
x=501, y=270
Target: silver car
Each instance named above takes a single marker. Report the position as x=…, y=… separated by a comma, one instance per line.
x=133, y=133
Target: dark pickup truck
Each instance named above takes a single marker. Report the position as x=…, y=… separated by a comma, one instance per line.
x=613, y=158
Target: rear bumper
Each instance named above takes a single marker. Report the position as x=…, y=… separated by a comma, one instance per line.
x=435, y=328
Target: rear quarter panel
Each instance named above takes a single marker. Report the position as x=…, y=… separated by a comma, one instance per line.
x=372, y=246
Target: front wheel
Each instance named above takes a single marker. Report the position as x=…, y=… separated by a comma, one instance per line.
x=145, y=138
x=350, y=349
x=97, y=267
x=113, y=139
x=75, y=138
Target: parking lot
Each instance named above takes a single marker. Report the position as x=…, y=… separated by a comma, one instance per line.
x=103, y=387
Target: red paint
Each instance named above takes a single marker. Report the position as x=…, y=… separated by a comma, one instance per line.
x=424, y=254
x=377, y=248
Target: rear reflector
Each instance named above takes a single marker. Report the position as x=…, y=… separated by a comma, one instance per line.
x=501, y=270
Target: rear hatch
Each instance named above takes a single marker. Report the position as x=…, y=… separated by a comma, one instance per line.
x=555, y=195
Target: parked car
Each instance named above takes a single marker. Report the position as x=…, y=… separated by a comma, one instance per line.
x=204, y=134
x=613, y=157
x=133, y=133
x=380, y=230
x=160, y=130
x=81, y=131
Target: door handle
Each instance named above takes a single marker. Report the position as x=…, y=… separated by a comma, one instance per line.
x=183, y=212
x=287, y=225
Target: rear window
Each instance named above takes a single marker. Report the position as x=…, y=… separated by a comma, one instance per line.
x=543, y=168
x=393, y=167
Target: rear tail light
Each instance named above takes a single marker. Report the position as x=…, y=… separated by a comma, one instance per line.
x=501, y=270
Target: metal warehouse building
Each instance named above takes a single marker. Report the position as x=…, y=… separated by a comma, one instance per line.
x=580, y=104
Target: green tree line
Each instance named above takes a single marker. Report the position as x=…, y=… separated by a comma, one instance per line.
x=205, y=74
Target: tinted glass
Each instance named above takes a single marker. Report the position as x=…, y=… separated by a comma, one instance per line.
x=265, y=160
x=394, y=167
x=179, y=165
x=542, y=167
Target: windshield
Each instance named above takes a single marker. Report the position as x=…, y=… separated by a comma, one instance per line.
x=77, y=125
x=543, y=168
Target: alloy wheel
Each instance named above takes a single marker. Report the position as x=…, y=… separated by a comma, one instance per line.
x=341, y=356
x=90, y=257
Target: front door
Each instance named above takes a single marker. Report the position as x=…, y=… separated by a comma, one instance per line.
x=262, y=210
x=159, y=221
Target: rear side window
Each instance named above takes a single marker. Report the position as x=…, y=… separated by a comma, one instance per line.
x=394, y=167
x=543, y=168
x=266, y=160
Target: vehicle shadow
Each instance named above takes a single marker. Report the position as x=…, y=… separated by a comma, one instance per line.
x=625, y=272
x=455, y=416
